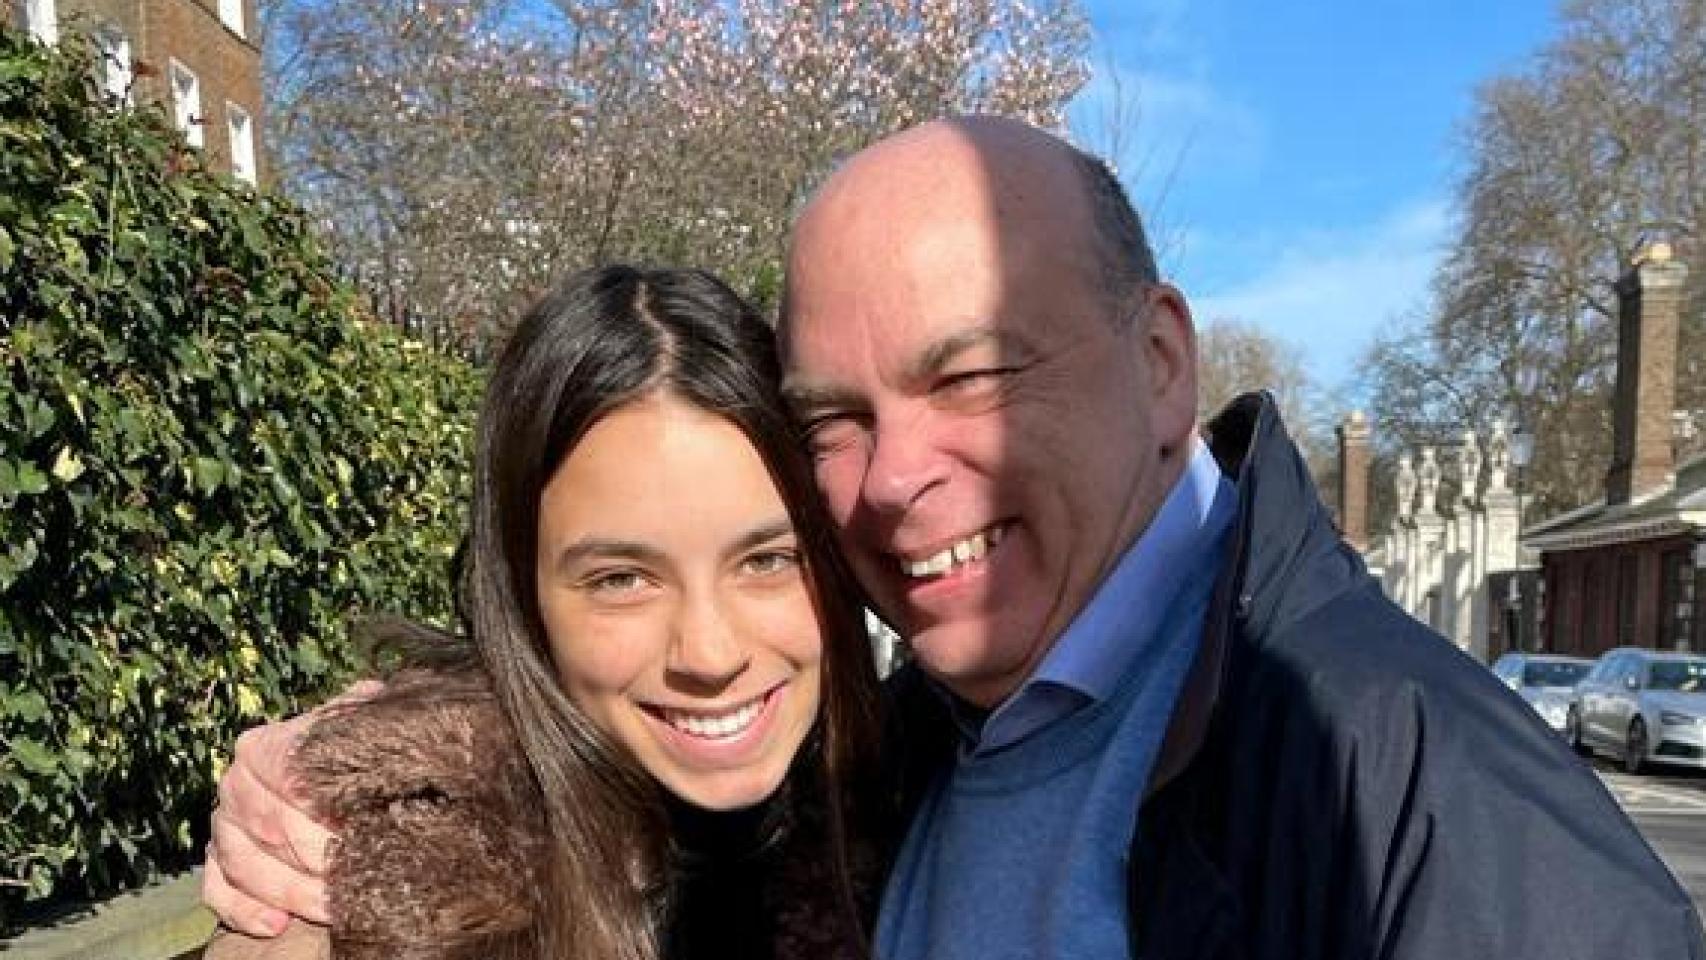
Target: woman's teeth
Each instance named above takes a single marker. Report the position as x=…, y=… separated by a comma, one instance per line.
x=969, y=550
x=720, y=726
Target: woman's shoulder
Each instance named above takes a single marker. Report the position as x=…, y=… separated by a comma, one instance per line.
x=441, y=830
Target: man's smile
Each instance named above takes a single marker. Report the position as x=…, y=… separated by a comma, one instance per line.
x=958, y=554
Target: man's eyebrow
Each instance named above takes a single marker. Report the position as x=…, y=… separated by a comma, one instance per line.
x=938, y=355
x=801, y=394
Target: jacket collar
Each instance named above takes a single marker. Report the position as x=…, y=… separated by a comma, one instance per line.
x=1282, y=529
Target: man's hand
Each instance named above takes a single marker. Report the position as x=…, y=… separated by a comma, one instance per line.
x=266, y=860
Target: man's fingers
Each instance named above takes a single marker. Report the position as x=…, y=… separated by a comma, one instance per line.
x=235, y=910
x=252, y=873
x=264, y=752
x=268, y=855
x=279, y=825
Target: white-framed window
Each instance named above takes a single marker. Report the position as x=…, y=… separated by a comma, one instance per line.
x=115, y=70
x=41, y=20
x=240, y=134
x=231, y=14
x=186, y=102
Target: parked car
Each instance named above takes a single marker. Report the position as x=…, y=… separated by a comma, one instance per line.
x=1643, y=706
x=1545, y=680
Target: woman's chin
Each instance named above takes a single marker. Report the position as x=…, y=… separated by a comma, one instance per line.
x=725, y=791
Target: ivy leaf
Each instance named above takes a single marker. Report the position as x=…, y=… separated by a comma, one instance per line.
x=33, y=757
x=28, y=706
x=67, y=467
x=207, y=474
x=248, y=701
x=30, y=479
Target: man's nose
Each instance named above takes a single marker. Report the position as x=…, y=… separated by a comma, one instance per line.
x=706, y=650
x=904, y=464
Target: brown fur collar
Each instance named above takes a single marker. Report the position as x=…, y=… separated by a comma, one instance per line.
x=440, y=830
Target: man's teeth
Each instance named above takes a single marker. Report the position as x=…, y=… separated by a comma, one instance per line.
x=722, y=726
x=965, y=551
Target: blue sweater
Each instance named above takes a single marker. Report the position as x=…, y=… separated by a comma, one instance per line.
x=1021, y=852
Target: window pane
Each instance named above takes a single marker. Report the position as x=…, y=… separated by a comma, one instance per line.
x=231, y=14
x=115, y=69
x=241, y=136
x=1545, y=673
x=41, y=20
x=186, y=103
x=1688, y=676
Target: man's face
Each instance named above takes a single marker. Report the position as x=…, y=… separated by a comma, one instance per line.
x=980, y=413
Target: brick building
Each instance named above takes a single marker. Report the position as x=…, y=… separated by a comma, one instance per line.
x=1630, y=569
x=206, y=64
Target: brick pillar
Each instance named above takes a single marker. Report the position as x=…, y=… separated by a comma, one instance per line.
x=1649, y=304
x=1353, y=479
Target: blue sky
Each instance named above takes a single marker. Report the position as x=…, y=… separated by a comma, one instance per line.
x=1296, y=158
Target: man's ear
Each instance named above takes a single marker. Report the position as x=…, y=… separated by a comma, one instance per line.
x=1170, y=352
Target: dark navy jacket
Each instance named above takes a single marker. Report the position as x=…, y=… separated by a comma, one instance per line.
x=1337, y=781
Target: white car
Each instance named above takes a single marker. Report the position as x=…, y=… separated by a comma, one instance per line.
x=1642, y=706
x=1545, y=680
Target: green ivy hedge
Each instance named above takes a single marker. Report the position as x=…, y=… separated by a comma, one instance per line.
x=208, y=465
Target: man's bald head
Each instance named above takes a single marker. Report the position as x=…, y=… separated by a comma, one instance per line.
x=1020, y=171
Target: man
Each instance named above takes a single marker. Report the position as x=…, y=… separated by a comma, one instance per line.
x=1161, y=710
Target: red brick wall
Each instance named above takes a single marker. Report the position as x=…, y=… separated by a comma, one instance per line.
x=228, y=66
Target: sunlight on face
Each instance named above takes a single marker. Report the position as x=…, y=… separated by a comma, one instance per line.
x=982, y=437
x=672, y=588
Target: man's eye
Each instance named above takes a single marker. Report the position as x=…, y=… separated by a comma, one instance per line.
x=830, y=433
x=972, y=385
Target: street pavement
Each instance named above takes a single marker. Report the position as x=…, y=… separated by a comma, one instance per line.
x=1669, y=807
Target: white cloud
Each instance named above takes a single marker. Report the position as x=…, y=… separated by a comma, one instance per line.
x=1329, y=290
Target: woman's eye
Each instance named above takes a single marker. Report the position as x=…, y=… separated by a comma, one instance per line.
x=771, y=562
x=612, y=583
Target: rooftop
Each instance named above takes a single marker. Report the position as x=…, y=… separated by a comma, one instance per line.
x=1678, y=509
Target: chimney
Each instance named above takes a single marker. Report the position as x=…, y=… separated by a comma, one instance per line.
x=1649, y=305
x=1353, y=479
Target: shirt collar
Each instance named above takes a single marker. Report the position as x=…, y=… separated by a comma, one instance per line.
x=1124, y=615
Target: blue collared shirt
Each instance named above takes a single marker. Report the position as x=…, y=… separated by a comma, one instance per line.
x=1094, y=651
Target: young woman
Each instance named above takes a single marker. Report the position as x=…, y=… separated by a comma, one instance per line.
x=653, y=589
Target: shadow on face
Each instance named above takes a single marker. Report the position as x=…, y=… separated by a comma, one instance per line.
x=998, y=393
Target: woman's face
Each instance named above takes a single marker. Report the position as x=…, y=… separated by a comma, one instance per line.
x=673, y=593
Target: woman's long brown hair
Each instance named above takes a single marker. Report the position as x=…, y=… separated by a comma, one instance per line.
x=602, y=339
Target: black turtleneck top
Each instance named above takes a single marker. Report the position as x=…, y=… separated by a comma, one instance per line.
x=724, y=864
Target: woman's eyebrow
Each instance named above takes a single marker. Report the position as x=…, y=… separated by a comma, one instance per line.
x=763, y=533
x=588, y=548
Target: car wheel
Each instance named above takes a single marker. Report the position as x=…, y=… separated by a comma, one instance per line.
x=1635, y=748
x=1573, y=732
